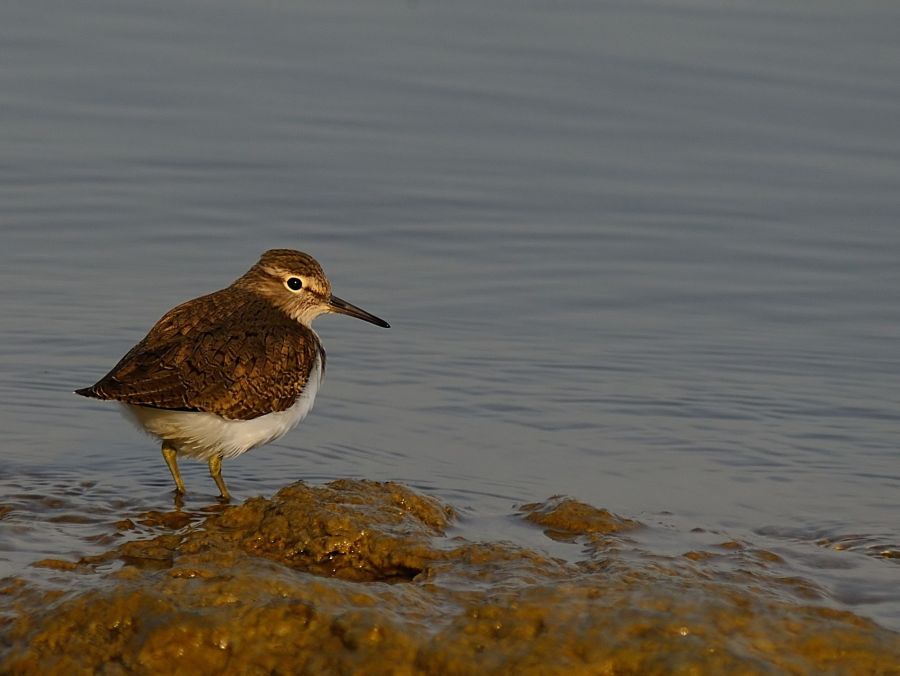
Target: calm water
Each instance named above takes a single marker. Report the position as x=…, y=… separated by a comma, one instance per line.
x=643, y=253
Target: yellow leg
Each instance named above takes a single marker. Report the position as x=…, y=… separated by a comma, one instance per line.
x=170, y=453
x=215, y=471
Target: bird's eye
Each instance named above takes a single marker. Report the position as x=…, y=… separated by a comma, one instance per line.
x=294, y=283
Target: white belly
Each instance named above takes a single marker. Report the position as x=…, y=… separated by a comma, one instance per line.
x=205, y=435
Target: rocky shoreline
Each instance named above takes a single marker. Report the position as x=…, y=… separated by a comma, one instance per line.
x=359, y=577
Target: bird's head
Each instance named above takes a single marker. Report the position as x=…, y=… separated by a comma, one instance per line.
x=295, y=282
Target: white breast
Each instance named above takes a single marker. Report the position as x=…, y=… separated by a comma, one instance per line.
x=205, y=435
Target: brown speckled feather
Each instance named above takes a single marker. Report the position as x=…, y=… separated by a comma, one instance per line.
x=230, y=353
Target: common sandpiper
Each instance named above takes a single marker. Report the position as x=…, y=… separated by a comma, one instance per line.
x=233, y=370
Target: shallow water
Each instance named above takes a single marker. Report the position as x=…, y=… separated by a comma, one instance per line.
x=644, y=254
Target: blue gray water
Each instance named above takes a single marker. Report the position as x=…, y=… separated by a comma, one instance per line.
x=646, y=254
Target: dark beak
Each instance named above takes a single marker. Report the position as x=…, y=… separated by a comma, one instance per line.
x=345, y=308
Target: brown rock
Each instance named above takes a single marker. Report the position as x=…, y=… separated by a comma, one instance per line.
x=356, y=577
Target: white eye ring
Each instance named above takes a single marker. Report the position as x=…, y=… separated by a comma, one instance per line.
x=294, y=284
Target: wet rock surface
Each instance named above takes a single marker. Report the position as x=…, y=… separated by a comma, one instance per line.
x=360, y=577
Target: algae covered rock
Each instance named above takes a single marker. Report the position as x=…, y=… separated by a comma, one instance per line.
x=359, y=530
x=359, y=577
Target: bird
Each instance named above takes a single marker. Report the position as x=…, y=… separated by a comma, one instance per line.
x=233, y=370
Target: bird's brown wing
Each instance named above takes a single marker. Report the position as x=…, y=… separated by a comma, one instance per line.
x=227, y=354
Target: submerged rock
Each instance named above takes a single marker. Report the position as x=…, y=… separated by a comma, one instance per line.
x=358, y=577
